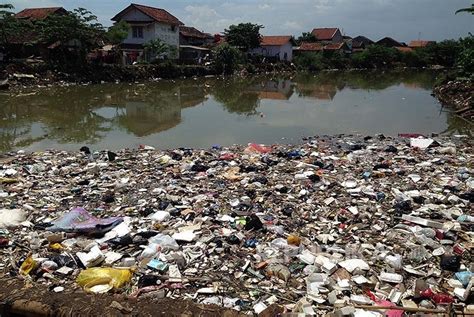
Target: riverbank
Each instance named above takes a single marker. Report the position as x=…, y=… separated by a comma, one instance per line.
x=346, y=223
x=459, y=95
x=17, y=76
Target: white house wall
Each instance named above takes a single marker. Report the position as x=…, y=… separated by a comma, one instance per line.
x=272, y=51
x=167, y=34
x=151, y=29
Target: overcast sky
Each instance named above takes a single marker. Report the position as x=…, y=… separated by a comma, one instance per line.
x=403, y=20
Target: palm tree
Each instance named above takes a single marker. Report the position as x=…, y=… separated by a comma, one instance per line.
x=468, y=10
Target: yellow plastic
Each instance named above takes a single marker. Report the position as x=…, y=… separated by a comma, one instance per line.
x=91, y=278
x=56, y=246
x=27, y=266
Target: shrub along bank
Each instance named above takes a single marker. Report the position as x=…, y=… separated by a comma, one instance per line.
x=447, y=53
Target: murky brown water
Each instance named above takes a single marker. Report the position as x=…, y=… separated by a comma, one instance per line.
x=203, y=112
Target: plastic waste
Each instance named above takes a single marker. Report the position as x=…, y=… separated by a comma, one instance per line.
x=257, y=148
x=437, y=298
x=10, y=218
x=294, y=240
x=28, y=266
x=102, y=280
x=158, y=243
x=278, y=270
x=79, y=220
x=464, y=277
x=450, y=262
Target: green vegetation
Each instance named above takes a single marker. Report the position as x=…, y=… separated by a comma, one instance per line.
x=9, y=27
x=307, y=37
x=245, y=36
x=118, y=32
x=447, y=53
x=158, y=50
x=226, y=58
x=77, y=32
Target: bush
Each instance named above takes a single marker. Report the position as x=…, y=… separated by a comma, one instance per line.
x=466, y=56
x=310, y=61
x=226, y=58
x=414, y=59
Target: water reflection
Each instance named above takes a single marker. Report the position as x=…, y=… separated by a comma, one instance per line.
x=190, y=111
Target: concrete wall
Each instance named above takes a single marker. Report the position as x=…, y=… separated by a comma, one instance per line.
x=272, y=51
x=151, y=30
x=167, y=33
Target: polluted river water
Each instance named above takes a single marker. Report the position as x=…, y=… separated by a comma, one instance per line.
x=205, y=111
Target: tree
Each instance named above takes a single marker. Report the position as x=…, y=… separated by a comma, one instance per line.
x=468, y=10
x=158, y=49
x=306, y=37
x=9, y=26
x=466, y=56
x=245, y=36
x=226, y=58
x=118, y=32
x=78, y=28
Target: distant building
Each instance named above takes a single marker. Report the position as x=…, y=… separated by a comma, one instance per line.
x=34, y=14
x=147, y=24
x=333, y=35
x=404, y=49
x=360, y=43
x=27, y=43
x=276, y=47
x=321, y=47
x=420, y=43
x=389, y=42
x=189, y=35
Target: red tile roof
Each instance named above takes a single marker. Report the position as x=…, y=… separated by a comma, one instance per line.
x=39, y=13
x=324, y=34
x=334, y=46
x=275, y=40
x=420, y=43
x=311, y=46
x=321, y=47
x=189, y=31
x=157, y=14
x=404, y=49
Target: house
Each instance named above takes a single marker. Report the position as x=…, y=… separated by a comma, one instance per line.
x=26, y=43
x=34, y=14
x=360, y=43
x=321, y=47
x=191, y=36
x=420, y=43
x=147, y=24
x=333, y=35
x=275, y=47
x=389, y=42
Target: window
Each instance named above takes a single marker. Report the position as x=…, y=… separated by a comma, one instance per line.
x=137, y=32
x=173, y=28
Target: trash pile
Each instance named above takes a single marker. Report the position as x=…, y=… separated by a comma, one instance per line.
x=336, y=226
